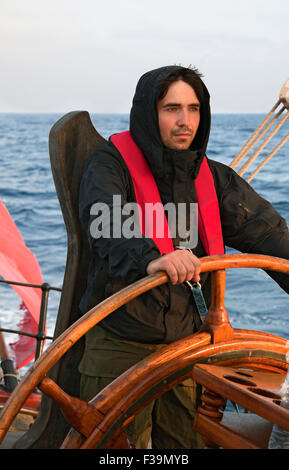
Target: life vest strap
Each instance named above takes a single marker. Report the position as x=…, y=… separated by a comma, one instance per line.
x=146, y=192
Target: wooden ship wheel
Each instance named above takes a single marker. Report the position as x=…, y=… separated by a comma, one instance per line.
x=245, y=366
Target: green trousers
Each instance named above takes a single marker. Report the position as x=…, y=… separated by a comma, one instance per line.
x=167, y=421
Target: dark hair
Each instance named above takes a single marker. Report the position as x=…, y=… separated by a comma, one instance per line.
x=189, y=75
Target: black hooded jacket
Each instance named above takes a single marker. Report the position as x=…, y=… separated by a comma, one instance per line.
x=249, y=223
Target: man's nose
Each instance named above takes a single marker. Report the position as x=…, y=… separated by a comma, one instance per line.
x=183, y=118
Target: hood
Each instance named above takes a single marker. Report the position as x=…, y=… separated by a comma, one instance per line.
x=144, y=126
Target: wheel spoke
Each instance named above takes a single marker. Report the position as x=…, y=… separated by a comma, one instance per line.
x=217, y=319
x=78, y=413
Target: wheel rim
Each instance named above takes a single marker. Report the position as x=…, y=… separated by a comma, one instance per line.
x=65, y=341
x=149, y=375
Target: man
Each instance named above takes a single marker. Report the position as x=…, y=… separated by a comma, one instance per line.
x=169, y=129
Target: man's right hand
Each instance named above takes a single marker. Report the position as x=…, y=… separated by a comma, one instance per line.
x=180, y=266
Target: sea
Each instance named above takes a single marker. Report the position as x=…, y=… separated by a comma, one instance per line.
x=253, y=299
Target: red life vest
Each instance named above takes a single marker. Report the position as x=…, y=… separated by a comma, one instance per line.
x=146, y=191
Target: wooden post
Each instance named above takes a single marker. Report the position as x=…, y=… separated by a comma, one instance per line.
x=212, y=407
x=217, y=320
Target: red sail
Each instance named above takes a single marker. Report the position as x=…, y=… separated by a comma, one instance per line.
x=17, y=263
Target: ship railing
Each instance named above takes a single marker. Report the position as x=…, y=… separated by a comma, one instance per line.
x=40, y=336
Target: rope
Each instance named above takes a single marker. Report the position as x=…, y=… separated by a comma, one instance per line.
x=263, y=163
x=3, y=375
x=258, y=133
x=254, y=138
x=254, y=156
x=16, y=375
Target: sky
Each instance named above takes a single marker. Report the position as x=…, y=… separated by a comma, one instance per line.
x=66, y=55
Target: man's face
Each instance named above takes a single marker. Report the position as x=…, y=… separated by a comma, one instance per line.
x=179, y=116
